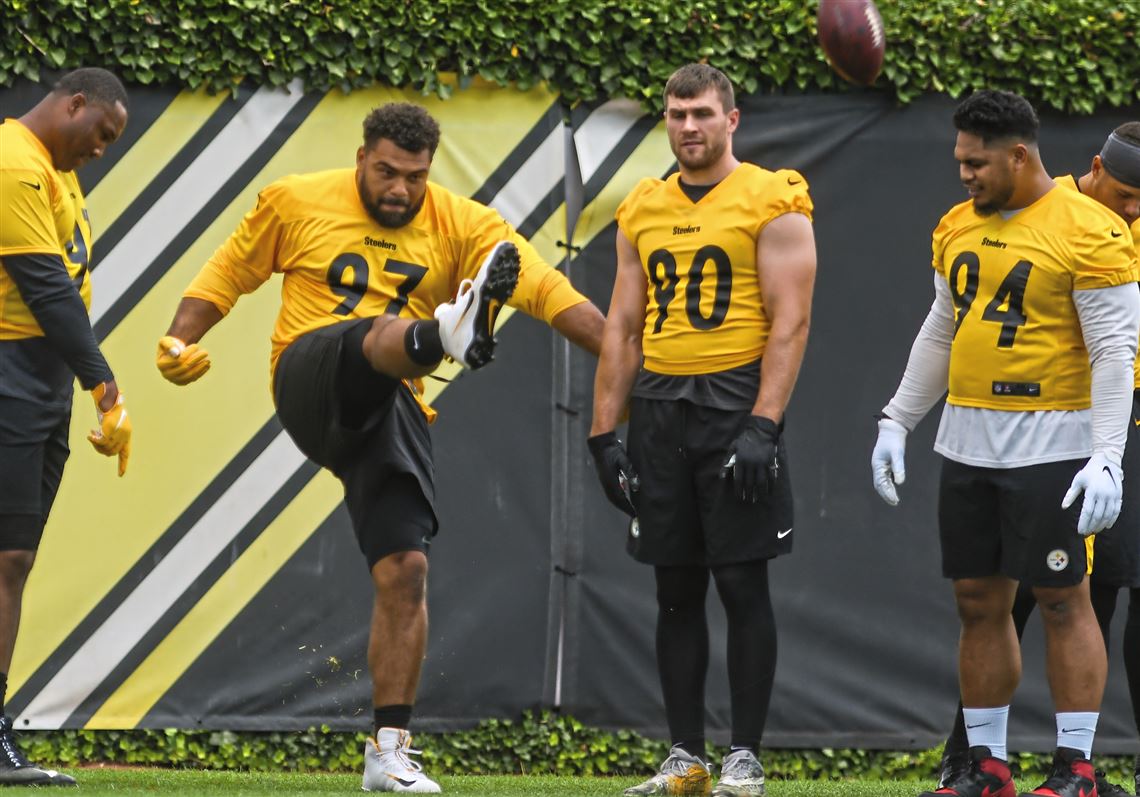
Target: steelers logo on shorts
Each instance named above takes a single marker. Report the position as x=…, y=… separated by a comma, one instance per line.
x=1057, y=560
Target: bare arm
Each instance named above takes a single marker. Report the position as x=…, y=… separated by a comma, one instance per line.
x=785, y=262
x=620, y=356
x=193, y=319
x=582, y=325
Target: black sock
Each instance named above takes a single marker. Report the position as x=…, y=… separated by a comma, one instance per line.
x=683, y=652
x=1132, y=652
x=422, y=343
x=397, y=716
x=743, y=589
x=3, y=691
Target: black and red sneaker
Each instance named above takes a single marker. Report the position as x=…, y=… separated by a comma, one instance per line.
x=1073, y=776
x=985, y=777
x=1106, y=788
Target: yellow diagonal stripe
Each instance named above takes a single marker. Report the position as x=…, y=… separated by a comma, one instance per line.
x=210, y=615
x=164, y=139
x=184, y=437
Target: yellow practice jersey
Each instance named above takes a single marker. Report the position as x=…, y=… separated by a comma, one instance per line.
x=338, y=263
x=1017, y=339
x=41, y=212
x=1070, y=181
x=704, y=310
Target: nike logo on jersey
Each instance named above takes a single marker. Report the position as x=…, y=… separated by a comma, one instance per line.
x=1116, y=234
x=794, y=181
x=31, y=185
x=781, y=534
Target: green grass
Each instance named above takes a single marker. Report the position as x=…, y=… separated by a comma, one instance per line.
x=126, y=782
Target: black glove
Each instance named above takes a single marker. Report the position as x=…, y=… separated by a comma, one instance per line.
x=752, y=458
x=615, y=471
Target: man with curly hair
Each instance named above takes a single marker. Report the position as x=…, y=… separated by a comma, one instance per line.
x=372, y=258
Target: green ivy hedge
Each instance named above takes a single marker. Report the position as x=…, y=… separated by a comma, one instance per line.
x=537, y=743
x=1072, y=55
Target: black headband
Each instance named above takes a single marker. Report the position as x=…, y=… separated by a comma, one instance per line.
x=1121, y=160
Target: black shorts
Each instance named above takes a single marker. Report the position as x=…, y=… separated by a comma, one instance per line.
x=687, y=511
x=1009, y=521
x=367, y=429
x=33, y=452
x=1116, y=551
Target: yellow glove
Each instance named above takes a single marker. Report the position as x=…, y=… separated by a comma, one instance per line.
x=114, y=433
x=181, y=363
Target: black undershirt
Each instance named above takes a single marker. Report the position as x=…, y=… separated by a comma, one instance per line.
x=41, y=369
x=696, y=193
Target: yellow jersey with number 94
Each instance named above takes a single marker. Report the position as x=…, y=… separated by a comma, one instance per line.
x=704, y=309
x=1017, y=338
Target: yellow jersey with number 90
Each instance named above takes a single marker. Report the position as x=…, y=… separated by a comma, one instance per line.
x=42, y=212
x=704, y=309
x=1017, y=338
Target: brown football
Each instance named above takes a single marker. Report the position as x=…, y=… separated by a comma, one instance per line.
x=851, y=35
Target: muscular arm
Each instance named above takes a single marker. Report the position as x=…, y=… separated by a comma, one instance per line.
x=51, y=296
x=582, y=325
x=620, y=356
x=785, y=262
x=193, y=319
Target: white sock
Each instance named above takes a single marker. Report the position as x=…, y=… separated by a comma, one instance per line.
x=1076, y=729
x=985, y=727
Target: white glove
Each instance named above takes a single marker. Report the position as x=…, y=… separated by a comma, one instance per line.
x=887, y=466
x=1102, y=482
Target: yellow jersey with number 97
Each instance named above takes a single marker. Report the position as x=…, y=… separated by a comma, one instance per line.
x=1017, y=338
x=42, y=212
x=339, y=264
x=704, y=309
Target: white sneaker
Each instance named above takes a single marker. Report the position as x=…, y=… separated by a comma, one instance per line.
x=680, y=774
x=467, y=325
x=387, y=766
x=741, y=775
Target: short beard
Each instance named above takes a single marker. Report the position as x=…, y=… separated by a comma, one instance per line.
x=392, y=219
x=994, y=205
x=712, y=154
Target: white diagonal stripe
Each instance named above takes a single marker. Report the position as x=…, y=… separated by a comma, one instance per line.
x=595, y=139
x=188, y=194
x=536, y=178
x=146, y=604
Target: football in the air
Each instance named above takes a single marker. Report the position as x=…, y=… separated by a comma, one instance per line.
x=851, y=35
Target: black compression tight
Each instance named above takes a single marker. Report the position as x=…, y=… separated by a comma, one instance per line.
x=1132, y=652
x=683, y=645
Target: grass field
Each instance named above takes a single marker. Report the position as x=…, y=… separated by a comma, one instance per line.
x=126, y=782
